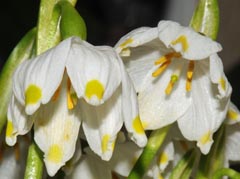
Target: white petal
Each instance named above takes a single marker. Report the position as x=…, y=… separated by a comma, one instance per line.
x=166, y=155
x=36, y=80
x=18, y=121
x=217, y=76
x=232, y=142
x=233, y=114
x=124, y=157
x=197, y=47
x=101, y=124
x=130, y=110
x=94, y=71
x=206, y=112
x=90, y=168
x=56, y=131
x=158, y=109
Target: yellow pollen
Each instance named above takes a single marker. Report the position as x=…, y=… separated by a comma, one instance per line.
x=223, y=83
x=55, y=153
x=189, y=76
x=105, y=140
x=183, y=41
x=206, y=138
x=163, y=158
x=33, y=94
x=9, y=129
x=71, y=96
x=174, y=79
x=94, y=88
x=137, y=125
x=232, y=115
x=126, y=42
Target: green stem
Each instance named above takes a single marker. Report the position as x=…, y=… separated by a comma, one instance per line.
x=34, y=165
x=154, y=143
x=226, y=172
x=206, y=18
x=21, y=52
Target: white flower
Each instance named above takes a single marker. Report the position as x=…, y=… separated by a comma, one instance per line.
x=178, y=77
x=70, y=84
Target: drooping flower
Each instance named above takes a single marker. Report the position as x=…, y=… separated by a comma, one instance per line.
x=70, y=84
x=179, y=77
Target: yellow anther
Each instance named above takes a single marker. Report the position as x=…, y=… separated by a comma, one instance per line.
x=174, y=79
x=161, y=69
x=161, y=60
x=232, y=115
x=183, y=41
x=223, y=83
x=56, y=94
x=55, y=153
x=126, y=42
x=189, y=75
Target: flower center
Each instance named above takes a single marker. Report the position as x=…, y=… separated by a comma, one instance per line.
x=164, y=62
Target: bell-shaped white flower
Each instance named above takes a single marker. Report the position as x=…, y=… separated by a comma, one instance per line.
x=178, y=77
x=70, y=84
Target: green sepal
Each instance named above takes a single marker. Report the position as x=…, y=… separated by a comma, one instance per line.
x=215, y=159
x=71, y=24
x=206, y=18
x=155, y=141
x=34, y=166
x=21, y=52
x=232, y=174
x=184, y=167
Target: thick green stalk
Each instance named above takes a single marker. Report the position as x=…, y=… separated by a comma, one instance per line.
x=206, y=18
x=34, y=165
x=226, y=172
x=155, y=141
x=20, y=53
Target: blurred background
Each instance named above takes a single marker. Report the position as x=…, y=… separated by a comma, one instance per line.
x=107, y=21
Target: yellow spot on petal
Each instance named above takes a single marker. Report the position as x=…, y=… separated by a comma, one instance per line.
x=55, y=153
x=9, y=129
x=137, y=125
x=33, y=94
x=222, y=83
x=163, y=158
x=206, y=138
x=126, y=42
x=232, y=115
x=183, y=41
x=105, y=140
x=94, y=88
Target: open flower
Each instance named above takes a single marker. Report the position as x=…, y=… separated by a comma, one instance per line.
x=178, y=77
x=70, y=84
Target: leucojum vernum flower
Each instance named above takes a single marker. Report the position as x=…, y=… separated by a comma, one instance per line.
x=70, y=84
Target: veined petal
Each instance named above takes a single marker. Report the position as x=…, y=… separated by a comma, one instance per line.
x=18, y=122
x=158, y=109
x=206, y=112
x=218, y=77
x=93, y=71
x=101, y=124
x=56, y=131
x=233, y=114
x=36, y=80
x=130, y=111
x=232, y=142
x=90, y=168
x=185, y=40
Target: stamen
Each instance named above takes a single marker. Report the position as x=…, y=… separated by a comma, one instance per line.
x=71, y=97
x=189, y=75
x=174, y=79
x=161, y=68
x=56, y=94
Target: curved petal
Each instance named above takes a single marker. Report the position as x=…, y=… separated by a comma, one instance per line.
x=93, y=71
x=36, y=80
x=56, y=131
x=130, y=111
x=233, y=114
x=101, y=124
x=90, y=168
x=185, y=40
x=206, y=112
x=18, y=121
x=218, y=77
x=157, y=109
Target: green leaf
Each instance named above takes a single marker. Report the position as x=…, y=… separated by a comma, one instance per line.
x=21, y=52
x=206, y=18
x=226, y=172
